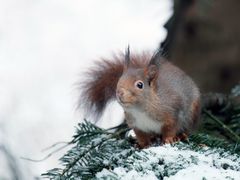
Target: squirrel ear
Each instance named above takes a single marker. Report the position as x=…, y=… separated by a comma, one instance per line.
x=127, y=56
x=156, y=58
x=153, y=66
x=151, y=72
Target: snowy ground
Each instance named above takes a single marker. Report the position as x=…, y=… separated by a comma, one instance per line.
x=44, y=45
x=174, y=163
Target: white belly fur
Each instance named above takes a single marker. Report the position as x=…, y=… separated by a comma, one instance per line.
x=144, y=122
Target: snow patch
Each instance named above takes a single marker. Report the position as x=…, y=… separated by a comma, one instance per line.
x=178, y=162
x=123, y=175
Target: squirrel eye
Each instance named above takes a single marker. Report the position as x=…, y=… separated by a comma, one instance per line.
x=139, y=84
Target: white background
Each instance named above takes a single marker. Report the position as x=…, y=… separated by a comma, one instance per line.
x=44, y=46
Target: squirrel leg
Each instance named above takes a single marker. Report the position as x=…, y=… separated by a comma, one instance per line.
x=169, y=130
x=195, y=109
x=183, y=136
x=143, y=139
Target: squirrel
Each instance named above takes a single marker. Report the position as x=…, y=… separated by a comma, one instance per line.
x=159, y=100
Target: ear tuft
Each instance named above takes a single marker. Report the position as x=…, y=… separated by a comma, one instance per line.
x=127, y=56
x=156, y=58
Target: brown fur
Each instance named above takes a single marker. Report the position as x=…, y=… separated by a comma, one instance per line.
x=169, y=129
x=195, y=108
x=144, y=139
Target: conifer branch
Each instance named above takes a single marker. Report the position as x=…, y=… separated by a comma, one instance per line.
x=210, y=115
x=112, y=135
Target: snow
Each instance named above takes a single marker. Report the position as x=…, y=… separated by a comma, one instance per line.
x=174, y=163
x=204, y=171
x=44, y=46
x=123, y=175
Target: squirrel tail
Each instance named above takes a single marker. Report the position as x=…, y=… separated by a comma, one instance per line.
x=99, y=86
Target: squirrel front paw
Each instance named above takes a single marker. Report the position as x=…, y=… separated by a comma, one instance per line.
x=173, y=139
x=183, y=136
x=170, y=139
x=140, y=145
x=144, y=140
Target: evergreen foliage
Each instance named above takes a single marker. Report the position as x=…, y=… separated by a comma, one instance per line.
x=111, y=152
x=223, y=118
x=96, y=149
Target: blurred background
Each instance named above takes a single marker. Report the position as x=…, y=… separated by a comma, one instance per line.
x=44, y=47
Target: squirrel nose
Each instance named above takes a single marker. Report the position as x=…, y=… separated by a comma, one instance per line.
x=120, y=92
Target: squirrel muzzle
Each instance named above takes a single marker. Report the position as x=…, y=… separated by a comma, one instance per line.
x=121, y=94
x=124, y=97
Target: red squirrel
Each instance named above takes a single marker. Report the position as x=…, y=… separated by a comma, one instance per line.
x=158, y=99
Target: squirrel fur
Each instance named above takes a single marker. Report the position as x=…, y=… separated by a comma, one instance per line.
x=159, y=99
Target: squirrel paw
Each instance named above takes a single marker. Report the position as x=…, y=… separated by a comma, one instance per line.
x=142, y=146
x=170, y=140
x=183, y=136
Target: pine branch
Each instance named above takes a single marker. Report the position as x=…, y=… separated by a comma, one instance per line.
x=111, y=136
x=225, y=127
x=205, y=140
x=90, y=141
x=96, y=149
x=98, y=153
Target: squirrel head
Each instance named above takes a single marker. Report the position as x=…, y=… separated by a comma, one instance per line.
x=137, y=83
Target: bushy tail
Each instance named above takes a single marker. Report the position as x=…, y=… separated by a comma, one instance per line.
x=99, y=86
